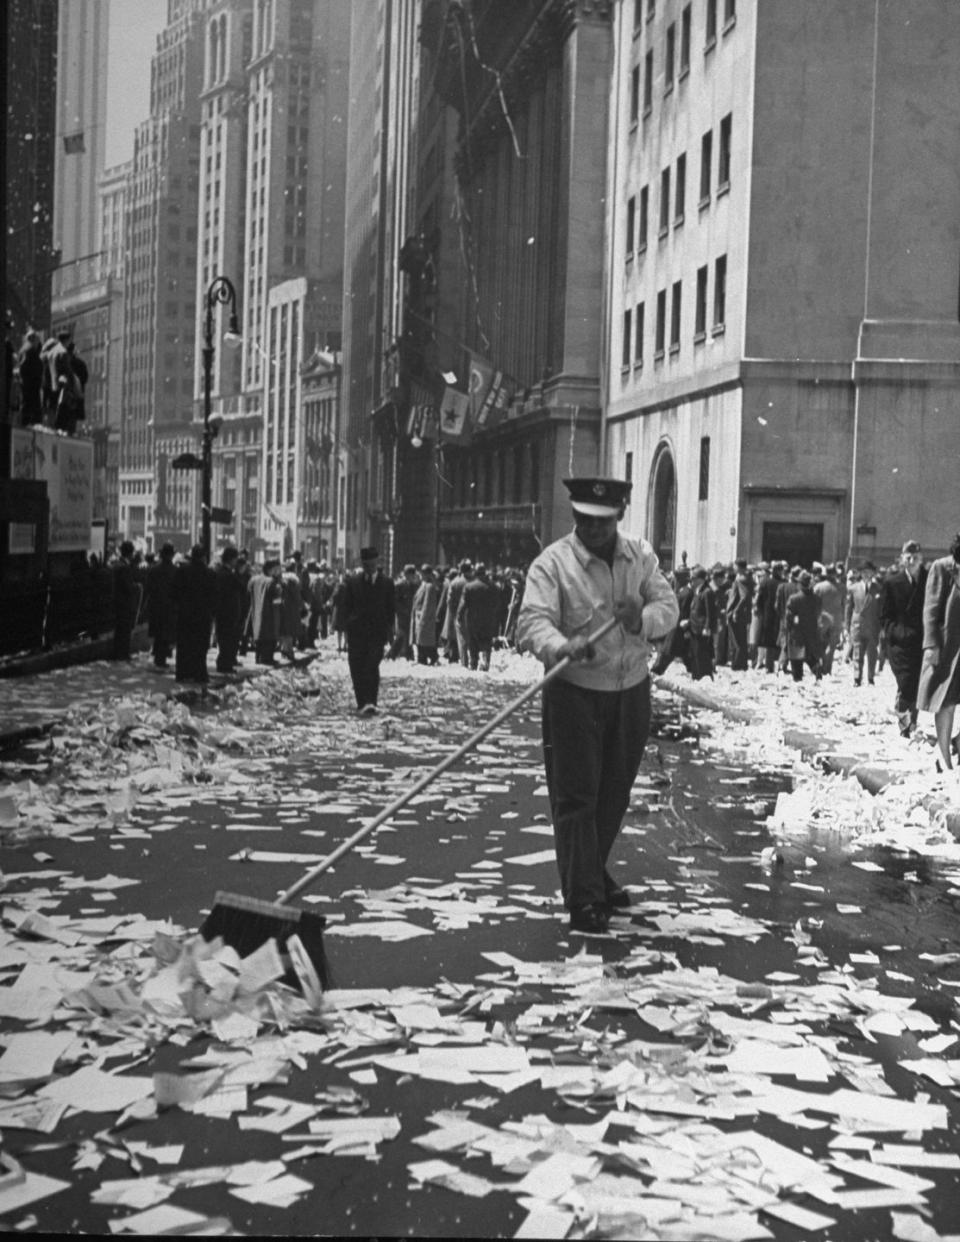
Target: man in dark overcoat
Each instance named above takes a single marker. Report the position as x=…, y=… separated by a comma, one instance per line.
x=161, y=618
x=368, y=616
x=230, y=611
x=901, y=616
x=194, y=595
x=126, y=601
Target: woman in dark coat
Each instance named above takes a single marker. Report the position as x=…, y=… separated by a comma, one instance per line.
x=194, y=594
x=939, y=689
x=803, y=629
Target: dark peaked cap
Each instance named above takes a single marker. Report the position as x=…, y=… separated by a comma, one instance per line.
x=598, y=497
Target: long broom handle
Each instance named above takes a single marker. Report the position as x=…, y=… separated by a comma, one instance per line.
x=389, y=811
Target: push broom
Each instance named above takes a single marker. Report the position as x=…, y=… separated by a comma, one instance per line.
x=245, y=923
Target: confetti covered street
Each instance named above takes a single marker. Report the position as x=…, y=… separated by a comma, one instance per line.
x=764, y=1046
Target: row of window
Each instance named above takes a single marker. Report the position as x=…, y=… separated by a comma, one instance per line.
x=634, y=320
x=638, y=210
x=676, y=52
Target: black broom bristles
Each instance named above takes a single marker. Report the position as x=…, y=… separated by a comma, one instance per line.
x=245, y=923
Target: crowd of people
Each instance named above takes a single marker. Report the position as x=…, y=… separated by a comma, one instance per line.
x=276, y=608
x=595, y=608
x=47, y=382
x=772, y=616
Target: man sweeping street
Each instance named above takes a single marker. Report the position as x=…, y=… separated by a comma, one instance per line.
x=596, y=712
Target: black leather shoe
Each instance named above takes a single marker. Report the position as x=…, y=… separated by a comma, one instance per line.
x=618, y=898
x=591, y=918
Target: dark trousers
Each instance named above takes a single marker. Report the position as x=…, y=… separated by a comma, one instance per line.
x=161, y=652
x=122, y=633
x=864, y=649
x=364, y=662
x=905, y=663
x=228, y=645
x=737, y=645
x=593, y=741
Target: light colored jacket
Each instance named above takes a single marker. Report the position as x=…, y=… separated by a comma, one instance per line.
x=571, y=592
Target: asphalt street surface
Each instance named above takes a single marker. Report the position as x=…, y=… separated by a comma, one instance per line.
x=810, y=936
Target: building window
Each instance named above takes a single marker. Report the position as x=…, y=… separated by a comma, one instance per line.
x=644, y=218
x=675, y=316
x=680, y=190
x=638, y=335
x=637, y=14
x=704, y=490
x=651, y=9
x=723, y=160
x=664, y=202
x=627, y=338
x=628, y=468
x=634, y=94
x=700, y=318
x=706, y=160
x=631, y=225
x=729, y=14
x=720, y=294
x=685, y=22
x=711, y=23
x=661, y=334
x=669, y=56
x=648, y=84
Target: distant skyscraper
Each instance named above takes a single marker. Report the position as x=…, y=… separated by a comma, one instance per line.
x=82, y=41
x=160, y=296
x=30, y=73
x=272, y=168
x=380, y=213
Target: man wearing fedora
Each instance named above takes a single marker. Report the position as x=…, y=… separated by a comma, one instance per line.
x=596, y=712
x=368, y=615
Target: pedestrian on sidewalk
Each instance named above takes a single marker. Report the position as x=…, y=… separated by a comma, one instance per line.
x=161, y=615
x=901, y=615
x=231, y=598
x=738, y=611
x=827, y=590
x=126, y=601
x=336, y=609
x=803, y=628
x=194, y=595
x=266, y=599
x=368, y=621
x=939, y=689
x=423, y=619
x=767, y=632
x=291, y=611
x=404, y=590
x=596, y=713
x=478, y=619
x=862, y=622
x=700, y=624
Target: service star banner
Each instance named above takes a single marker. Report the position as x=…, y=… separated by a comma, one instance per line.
x=455, y=421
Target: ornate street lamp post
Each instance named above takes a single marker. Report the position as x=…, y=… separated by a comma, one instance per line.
x=220, y=291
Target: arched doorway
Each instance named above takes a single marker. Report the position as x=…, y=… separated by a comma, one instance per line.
x=663, y=506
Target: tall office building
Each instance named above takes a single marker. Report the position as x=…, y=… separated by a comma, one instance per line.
x=31, y=91
x=380, y=214
x=114, y=189
x=783, y=347
x=82, y=41
x=273, y=144
x=160, y=298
